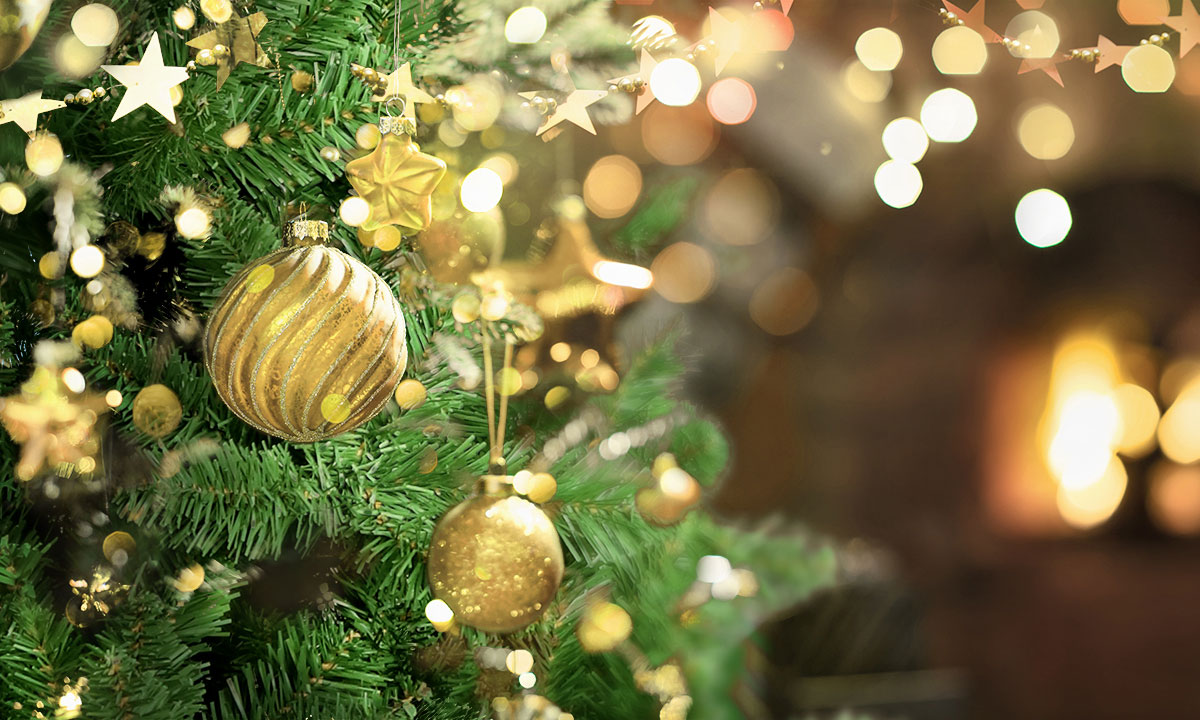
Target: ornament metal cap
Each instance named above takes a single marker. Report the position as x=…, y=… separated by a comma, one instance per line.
x=396, y=125
x=306, y=232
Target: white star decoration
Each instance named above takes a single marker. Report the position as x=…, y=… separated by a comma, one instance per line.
x=24, y=110
x=147, y=83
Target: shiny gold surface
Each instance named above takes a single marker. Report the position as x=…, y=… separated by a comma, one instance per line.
x=306, y=343
x=397, y=181
x=18, y=28
x=496, y=561
x=156, y=410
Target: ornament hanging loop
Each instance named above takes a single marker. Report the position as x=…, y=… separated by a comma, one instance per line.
x=306, y=232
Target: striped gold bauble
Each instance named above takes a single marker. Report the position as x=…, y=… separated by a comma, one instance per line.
x=306, y=343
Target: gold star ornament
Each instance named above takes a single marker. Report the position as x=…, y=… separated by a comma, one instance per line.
x=397, y=180
x=24, y=110
x=234, y=42
x=147, y=83
x=400, y=85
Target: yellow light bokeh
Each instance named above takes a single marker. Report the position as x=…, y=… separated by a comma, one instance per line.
x=95, y=25
x=481, y=190
x=12, y=198
x=354, y=211
x=879, y=49
x=87, y=261
x=1174, y=498
x=1179, y=429
x=741, y=208
x=367, y=136
x=504, y=165
x=193, y=222
x=904, y=139
x=959, y=50
x=684, y=272
x=866, y=85
x=612, y=186
x=183, y=17
x=1148, y=69
x=74, y=59
x=1036, y=34
x=519, y=662
x=1139, y=419
x=949, y=116
x=675, y=82
x=1046, y=132
x=1089, y=506
x=44, y=154
x=1043, y=218
x=439, y=615
x=622, y=274
x=785, y=302
x=560, y=352
x=525, y=26
x=898, y=184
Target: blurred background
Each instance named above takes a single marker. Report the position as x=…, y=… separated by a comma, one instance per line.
x=974, y=363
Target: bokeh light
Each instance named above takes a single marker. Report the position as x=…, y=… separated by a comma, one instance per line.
x=1174, y=498
x=87, y=261
x=193, y=222
x=612, y=186
x=879, y=49
x=684, y=272
x=898, y=184
x=622, y=274
x=477, y=103
x=1088, y=506
x=678, y=136
x=74, y=59
x=183, y=17
x=1148, y=69
x=44, y=154
x=95, y=25
x=1179, y=429
x=1139, y=419
x=904, y=139
x=12, y=198
x=731, y=101
x=785, y=302
x=482, y=189
x=1143, y=12
x=519, y=662
x=675, y=82
x=949, y=116
x=1046, y=132
x=741, y=208
x=767, y=30
x=354, y=211
x=525, y=26
x=1043, y=218
x=1036, y=34
x=959, y=50
x=439, y=615
x=866, y=85
x=504, y=165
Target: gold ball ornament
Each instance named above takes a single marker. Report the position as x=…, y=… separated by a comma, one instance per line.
x=410, y=394
x=156, y=410
x=306, y=343
x=22, y=20
x=496, y=560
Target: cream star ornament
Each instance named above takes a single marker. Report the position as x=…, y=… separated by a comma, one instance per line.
x=1110, y=53
x=646, y=65
x=975, y=20
x=24, y=110
x=1047, y=65
x=147, y=83
x=1188, y=25
x=240, y=35
x=400, y=85
x=397, y=181
x=573, y=109
x=727, y=35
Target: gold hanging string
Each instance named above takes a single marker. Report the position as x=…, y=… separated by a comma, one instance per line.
x=496, y=429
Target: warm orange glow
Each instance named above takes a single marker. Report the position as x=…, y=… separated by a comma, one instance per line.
x=1091, y=505
x=1174, y=500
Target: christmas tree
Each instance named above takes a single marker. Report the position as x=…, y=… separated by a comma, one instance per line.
x=173, y=547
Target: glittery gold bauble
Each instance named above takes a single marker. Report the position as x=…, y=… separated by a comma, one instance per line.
x=306, y=343
x=20, y=21
x=156, y=410
x=496, y=561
